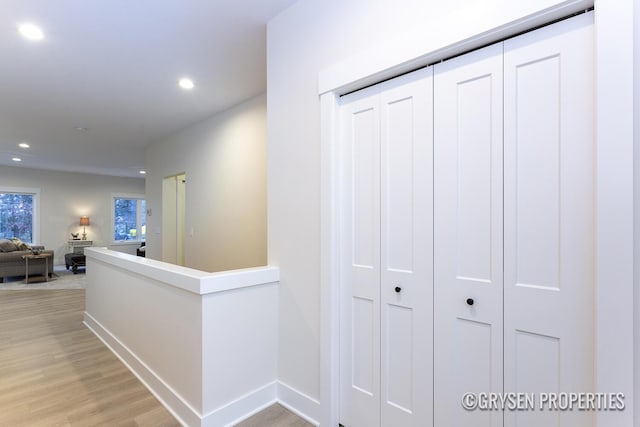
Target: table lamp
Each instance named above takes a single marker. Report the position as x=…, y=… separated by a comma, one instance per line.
x=84, y=221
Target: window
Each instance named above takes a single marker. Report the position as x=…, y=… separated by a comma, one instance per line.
x=129, y=218
x=18, y=214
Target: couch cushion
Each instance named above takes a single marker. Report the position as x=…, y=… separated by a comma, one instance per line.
x=7, y=246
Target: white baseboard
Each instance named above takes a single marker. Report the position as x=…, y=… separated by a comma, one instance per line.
x=229, y=414
x=242, y=408
x=299, y=403
x=226, y=415
x=171, y=400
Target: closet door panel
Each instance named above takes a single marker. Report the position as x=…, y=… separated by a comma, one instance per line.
x=549, y=220
x=407, y=256
x=468, y=234
x=537, y=173
x=360, y=272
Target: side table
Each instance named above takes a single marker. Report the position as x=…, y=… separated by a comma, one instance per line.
x=77, y=246
x=32, y=257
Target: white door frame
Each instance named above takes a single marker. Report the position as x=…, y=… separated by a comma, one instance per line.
x=614, y=263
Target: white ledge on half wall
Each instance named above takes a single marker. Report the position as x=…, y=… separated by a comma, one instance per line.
x=189, y=279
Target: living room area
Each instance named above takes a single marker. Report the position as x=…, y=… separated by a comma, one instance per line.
x=45, y=209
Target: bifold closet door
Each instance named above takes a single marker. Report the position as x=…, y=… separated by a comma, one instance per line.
x=386, y=321
x=407, y=252
x=468, y=235
x=360, y=260
x=519, y=320
x=549, y=217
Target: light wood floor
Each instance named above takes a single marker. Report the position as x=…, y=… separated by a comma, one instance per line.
x=275, y=416
x=55, y=372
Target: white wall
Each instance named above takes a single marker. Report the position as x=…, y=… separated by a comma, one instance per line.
x=65, y=196
x=310, y=36
x=224, y=158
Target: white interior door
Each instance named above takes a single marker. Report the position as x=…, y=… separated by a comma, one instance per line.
x=360, y=272
x=169, y=220
x=174, y=218
x=181, y=217
x=468, y=241
x=512, y=197
x=386, y=281
x=407, y=252
x=549, y=217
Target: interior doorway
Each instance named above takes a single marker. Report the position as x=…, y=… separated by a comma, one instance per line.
x=173, y=218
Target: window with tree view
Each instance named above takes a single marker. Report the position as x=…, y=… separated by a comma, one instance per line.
x=17, y=216
x=129, y=219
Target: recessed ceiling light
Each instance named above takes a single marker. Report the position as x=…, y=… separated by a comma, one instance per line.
x=143, y=172
x=186, y=83
x=31, y=32
x=23, y=145
x=16, y=159
x=81, y=129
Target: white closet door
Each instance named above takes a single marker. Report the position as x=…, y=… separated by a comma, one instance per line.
x=549, y=217
x=360, y=272
x=387, y=261
x=407, y=251
x=468, y=235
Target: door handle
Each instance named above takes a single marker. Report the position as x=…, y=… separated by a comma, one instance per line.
x=470, y=301
x=398, y=289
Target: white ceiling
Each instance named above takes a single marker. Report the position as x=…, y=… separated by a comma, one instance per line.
x=112, y=66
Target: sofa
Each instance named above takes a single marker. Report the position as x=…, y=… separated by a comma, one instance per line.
x=12, y=263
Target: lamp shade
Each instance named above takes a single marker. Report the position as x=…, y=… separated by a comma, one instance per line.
x=84, y=220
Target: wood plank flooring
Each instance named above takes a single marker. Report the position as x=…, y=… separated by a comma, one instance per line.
x=55, y=372
x=275, y=416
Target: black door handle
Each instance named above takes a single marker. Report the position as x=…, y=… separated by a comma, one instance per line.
x=470, y=301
